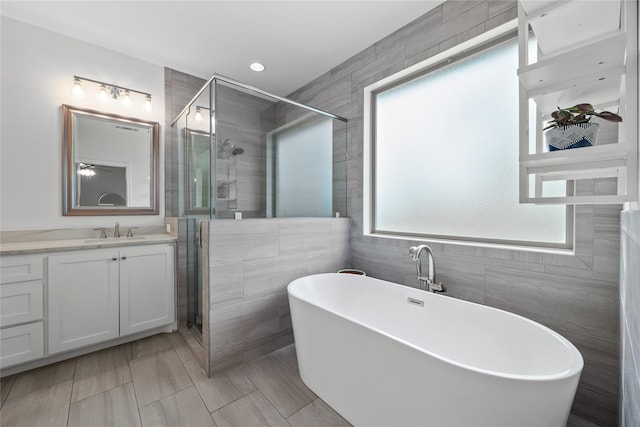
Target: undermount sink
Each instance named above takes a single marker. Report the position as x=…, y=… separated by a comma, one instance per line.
x=115, y=240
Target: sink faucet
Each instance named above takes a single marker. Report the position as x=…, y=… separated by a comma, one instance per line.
x=116, y=230
x=428, y=282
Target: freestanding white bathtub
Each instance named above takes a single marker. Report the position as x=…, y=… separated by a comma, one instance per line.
x=371, y=351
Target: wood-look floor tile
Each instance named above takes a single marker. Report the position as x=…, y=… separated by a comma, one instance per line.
x=42, y=378
x=182, y=409
x=158, y=375
x=280, y=383
x=317, y=414
x=181, y=346
x=250, y=411
x=150, y=345
x=5, y=387
x=288, y=354
x=114, y=408
x=576, y=421
x=43, y=408
x=101, y=371
x=222, y=388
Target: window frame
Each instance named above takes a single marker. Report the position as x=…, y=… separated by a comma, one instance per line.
x=476, y=45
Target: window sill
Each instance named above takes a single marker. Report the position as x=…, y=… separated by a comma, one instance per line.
x=476, y=244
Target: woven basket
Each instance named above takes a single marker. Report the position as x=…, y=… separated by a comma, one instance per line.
x=572, y=136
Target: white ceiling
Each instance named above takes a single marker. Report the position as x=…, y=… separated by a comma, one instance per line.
x=296, y=40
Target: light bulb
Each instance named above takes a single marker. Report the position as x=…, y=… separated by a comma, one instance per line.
x=147, y=104
x=126, y=99
x=86, y=170
x=77, y=88
x=198, y=115
x=103, y=96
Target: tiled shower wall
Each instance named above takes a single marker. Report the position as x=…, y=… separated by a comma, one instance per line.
x=240, y=119
x=577, y=295
x=179, y=89
x=251, y=262
x=630, y=318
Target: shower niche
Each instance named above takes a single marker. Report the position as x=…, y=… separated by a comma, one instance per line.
x=227, y=175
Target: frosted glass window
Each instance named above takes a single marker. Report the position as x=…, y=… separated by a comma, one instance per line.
x=446, y=156
x=303, y=175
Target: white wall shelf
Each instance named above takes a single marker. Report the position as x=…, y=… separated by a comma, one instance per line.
x=582, y=52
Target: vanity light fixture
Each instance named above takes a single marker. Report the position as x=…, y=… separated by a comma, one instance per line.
x=256, y=66
x=126, y=99
x=147, y=104
x=102, y=96
x=86, y=169
x=199, y=117
x=77, y=88
x=109, y=90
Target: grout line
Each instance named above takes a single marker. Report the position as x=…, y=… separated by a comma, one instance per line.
x=301, y=408
x=12, y=381
x=102, y=392
x=70, y=395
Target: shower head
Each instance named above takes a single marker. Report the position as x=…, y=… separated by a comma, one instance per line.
x=237, y=150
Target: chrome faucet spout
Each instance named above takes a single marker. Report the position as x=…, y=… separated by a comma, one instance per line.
x=116, y=230
x=428, y=282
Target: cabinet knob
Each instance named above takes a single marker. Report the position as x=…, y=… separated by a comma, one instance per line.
x=114, y=259
x=124, y=257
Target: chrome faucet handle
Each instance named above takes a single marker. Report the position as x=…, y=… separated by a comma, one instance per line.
x=130, y=231
x=438, y=287
x=116, y=230
x=103, y=232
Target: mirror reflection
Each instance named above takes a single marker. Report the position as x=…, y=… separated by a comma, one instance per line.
x=198, y=170
x=111, y=164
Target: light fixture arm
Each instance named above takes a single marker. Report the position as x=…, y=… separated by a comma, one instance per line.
x=111, y=86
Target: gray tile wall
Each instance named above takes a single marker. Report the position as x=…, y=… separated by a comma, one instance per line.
x=179, y=88
x=630, y=318
x=577, y=295
x=251, y=262
x=241, y=118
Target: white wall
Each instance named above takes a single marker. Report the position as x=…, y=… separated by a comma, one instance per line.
x=37, y=68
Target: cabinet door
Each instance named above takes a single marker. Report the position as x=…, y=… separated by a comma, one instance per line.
x=147, y=287
x=21, y=344
x=83, y=298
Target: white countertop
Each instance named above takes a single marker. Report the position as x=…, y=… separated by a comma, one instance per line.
x=14, y=248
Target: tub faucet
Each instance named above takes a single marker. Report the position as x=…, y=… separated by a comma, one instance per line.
x=428, y=282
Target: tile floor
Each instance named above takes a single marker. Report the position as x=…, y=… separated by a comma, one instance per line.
x=157, y=381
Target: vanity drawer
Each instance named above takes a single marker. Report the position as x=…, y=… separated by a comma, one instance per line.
x=21, y=344
x=20, y=268
x=20, y=303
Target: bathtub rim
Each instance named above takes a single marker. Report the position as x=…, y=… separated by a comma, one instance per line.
x=576, y=361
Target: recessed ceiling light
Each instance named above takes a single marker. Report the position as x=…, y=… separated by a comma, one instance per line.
x=256, y=66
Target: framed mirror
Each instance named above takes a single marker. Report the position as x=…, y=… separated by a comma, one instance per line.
x=110, y=164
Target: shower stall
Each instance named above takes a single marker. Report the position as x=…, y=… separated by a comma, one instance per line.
x=244, y=153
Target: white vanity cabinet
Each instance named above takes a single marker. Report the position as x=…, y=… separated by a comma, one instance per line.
x=101, y=294
x=147, y=292
x=21, y=309
x=83, y=298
